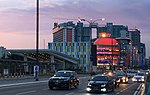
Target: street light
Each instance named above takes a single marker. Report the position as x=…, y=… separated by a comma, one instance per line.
x=37, y=37
x=91, y=22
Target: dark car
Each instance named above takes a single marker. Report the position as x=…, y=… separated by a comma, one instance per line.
x=116, y=81
x=64, y=79
x=122, y=76
x=100, y=83
x=115, y=78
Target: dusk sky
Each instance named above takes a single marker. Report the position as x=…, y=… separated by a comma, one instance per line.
x=17, y=18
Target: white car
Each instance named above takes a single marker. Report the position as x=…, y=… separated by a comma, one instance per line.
x=139, y=77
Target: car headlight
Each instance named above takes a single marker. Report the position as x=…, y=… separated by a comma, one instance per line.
x=118, y=80
x=88, y=89
x=103, y=85
x=142, y=77
x=134, y=79
x=123, y=78
x=89, y=84
x=110, y=74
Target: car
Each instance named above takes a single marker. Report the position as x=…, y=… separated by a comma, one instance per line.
x=146, y=72
x=115, y=78
x=131, y=73
x=139, y=77
x=100, y=83
x=122, y=76
x=64, y=79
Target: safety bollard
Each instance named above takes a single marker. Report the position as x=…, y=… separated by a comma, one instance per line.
x=23, y=74
x=20, y=75
x=7, y=76
x=17, y=75
x=14, y=75
x=10, y=75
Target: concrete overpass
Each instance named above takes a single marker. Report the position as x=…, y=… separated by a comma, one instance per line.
x=47, y=59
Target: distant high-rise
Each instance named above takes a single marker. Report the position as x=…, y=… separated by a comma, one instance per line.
x=69, y=32
x=143, y=54
x=114, y=30
x=64, y=32
x=82, y=33
x=135, y=37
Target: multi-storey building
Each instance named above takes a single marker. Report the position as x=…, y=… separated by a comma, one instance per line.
x=107, y=51
x=73, y=40
x=69, y=32
x=114, y=30
x=2, y=52
x=80, y=50
x=125, y=51
x=135, y=37
x=82, y=33
x=142, y=54
x=64, y=32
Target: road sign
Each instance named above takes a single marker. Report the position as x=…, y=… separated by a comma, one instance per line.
x=36, y=70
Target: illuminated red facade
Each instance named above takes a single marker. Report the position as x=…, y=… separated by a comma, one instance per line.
x=107, y=50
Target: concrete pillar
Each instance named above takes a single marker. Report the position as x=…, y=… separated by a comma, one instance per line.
x=24, y=58
x=64, y=65
x=52, y=61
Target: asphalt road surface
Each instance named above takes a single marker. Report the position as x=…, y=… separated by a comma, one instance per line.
x=41, y=88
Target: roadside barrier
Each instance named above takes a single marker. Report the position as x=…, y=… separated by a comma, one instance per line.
x=12, y=75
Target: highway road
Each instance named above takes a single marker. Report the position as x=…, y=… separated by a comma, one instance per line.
x=33, y=87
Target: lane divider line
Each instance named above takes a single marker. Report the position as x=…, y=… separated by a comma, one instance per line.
x=137, y=90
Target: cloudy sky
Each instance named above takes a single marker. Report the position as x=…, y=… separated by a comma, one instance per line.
x=17, y=18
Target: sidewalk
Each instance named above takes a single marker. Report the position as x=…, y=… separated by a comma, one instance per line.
x=27, y=78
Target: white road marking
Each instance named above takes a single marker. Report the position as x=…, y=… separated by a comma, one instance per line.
x=137, y=90
x=143, y=89
x=25, y=92
x=70, y=93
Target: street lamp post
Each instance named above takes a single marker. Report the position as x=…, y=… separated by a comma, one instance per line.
x=91, y=22
x=37, y=37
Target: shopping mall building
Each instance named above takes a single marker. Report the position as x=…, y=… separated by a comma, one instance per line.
x=108, y=54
